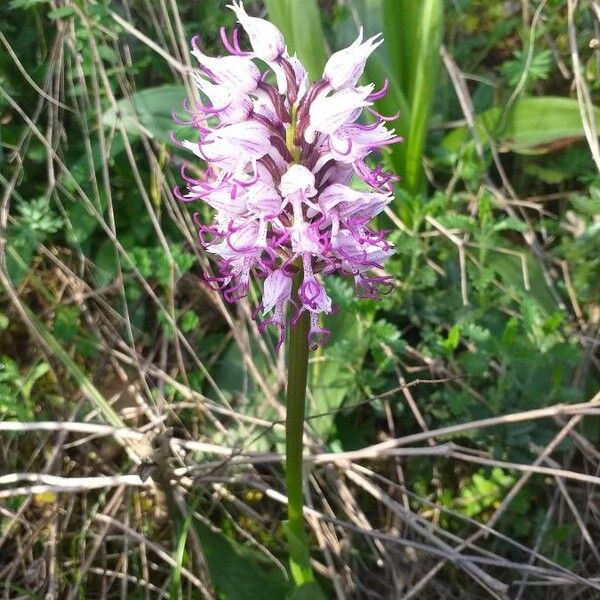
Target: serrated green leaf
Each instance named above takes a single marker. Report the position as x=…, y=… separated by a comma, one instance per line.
x=586, y=205
x=511, y=223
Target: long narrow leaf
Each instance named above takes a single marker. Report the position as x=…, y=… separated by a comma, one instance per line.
x=533, y=126
x=413, y=34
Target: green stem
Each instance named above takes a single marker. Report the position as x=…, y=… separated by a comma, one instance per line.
x=294, y=427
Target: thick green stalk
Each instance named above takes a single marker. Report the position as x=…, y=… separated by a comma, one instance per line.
x=294, y=428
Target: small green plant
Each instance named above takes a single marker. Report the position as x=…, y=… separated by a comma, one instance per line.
x=17, y=388
x=34, y=223
x=537, y=67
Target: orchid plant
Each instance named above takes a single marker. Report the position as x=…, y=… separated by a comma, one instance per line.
x=281, y=156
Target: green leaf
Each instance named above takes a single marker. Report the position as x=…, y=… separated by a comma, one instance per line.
x=75, y=372
x=239, y=572
x=35, y=373
x=61, y=13
x=511, y=223
x=332, y=374
x=299, y=557
x=82, y=222
x=308, y=591
x=37, y=216
x=19, y=254
x=14, y=4
x=413, y=35
x=587, y=205
x=148, y=111
x=189, y=321
x=510, y=269
x=66, y=323
x=280, y=14
x=451, y=342
x=309, y=38
x=36, y=221
x=533, y=126
x=106, y=263
x=540, y=66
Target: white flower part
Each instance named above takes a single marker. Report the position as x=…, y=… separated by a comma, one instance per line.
x=235, y=107
x=266, y=40
x=369, y=205
x=192, y=146
x=300, y=74
x=222, y=201
x=303, y=239
x=264, y=108
x=312, y=293
x=335, y=194
x=249, y=139
x=330, y=112
x=352, y=203
x=277, y=289
x=263, y=198
x=363, y=256
x=353, y=142
x=298, y=179
x=243, y=240
x=337, y=173
x=280, y=78
x=237, y=73
x=344, y=68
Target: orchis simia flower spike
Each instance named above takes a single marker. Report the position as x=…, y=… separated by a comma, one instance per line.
x=280, y=155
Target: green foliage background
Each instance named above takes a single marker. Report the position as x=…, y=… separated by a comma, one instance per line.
x=496, y=224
